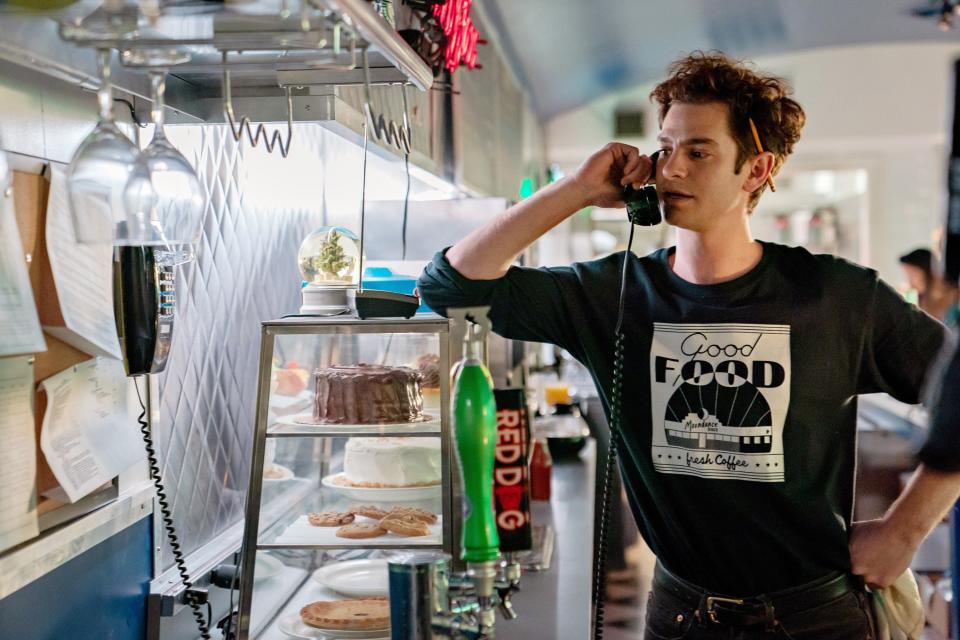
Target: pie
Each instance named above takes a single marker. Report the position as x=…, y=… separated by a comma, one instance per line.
x=348, y=615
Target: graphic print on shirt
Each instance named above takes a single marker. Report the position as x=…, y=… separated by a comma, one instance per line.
x=720, y=394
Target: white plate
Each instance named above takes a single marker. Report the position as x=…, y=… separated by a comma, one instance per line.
x=266, y=567
x=292, y=625
x=382, y=494
x=285, y=472
x=356, y=578
x=301, y=532
x=429, y=422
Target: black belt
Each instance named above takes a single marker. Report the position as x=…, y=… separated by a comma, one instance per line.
x=766, y=609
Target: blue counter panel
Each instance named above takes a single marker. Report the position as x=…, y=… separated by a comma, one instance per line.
x=99, y=595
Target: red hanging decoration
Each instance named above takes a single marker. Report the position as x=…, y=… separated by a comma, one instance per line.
x=462, y=34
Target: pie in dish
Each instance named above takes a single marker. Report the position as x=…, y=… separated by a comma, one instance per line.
x=348, y=615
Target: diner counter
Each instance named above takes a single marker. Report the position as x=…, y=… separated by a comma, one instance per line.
x=555, y=603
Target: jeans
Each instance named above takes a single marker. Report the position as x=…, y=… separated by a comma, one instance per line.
x=848, y=617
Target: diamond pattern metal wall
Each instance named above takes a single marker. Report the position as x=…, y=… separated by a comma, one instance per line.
x=245, y=272
x=260, y=207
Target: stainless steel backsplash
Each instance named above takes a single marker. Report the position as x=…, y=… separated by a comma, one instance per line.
x=245, y=272
x=260, y=208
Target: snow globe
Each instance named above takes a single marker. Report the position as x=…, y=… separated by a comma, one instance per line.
x=329, y=261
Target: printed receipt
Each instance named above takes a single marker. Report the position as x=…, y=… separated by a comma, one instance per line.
x=88, y=434
x=18, y=453
x=83, y=274
x=18, y=315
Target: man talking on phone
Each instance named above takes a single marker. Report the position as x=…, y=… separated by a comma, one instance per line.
x=742, y=365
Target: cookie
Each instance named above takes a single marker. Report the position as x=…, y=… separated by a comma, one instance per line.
x=405, y=525
x=361, y=530
x=368, y=511
x=347, y=615
x=414, y=512
x=330, y=518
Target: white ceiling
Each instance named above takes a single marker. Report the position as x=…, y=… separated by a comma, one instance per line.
x=569, y=52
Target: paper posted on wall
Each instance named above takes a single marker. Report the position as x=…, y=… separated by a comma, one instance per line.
x=18, y=453
x=83, y=274
x=89, y=435
x=18, y=313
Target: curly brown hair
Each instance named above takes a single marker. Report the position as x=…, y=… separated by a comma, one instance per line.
x=713, y=77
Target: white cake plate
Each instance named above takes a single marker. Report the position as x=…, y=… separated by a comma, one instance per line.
x=430, y=423
x=382, y=494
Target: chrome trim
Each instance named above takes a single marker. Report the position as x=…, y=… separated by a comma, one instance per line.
x=385, y=40
x=252, y=520
x=46, y=553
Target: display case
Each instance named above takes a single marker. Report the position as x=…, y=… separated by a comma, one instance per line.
x=352, y=463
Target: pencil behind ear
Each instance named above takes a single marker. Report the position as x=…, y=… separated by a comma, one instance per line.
x=756, y=140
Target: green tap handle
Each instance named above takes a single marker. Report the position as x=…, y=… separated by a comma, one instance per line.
x=475, y=428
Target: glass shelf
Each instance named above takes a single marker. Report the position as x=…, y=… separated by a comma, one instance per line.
x=293, y=427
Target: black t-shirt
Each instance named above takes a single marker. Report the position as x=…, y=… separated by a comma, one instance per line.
x=943, y=443
x=739, y=398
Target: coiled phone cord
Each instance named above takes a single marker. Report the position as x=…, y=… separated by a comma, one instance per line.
x=616, y=393
x=167, y=516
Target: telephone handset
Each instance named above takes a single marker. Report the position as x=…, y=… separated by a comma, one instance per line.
x=643, y=204
x=143, y=305
x=643, y=208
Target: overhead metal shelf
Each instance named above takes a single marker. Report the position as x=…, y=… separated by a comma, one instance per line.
x=268, y=46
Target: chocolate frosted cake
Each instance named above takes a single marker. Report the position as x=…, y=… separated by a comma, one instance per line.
x=367, y=394
x=429, y=367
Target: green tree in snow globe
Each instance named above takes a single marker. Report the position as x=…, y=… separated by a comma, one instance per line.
x=330, y=256
x=329, y=261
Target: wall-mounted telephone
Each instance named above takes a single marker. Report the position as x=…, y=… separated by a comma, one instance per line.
x=643, y=204
x=143, y=304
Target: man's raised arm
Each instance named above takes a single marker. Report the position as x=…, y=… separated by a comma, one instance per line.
x=489, y=251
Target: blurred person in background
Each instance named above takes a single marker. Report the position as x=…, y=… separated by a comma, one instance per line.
x=934, y=295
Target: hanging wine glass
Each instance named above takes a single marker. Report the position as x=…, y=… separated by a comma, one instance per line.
x=163, y=192
x=98, y=174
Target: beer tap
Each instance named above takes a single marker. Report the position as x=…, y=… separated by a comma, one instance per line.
x=427, y=600
x=508, y=585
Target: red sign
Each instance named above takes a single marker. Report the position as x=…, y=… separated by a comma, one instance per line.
x=511, y=479
x=462, y=34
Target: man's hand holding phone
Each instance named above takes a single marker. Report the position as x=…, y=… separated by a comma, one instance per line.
x=602, y=177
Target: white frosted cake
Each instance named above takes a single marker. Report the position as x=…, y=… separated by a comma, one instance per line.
x=391, y=462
